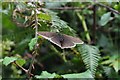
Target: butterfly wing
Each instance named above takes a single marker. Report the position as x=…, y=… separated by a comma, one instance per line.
x=56, y=40
x=67, y=43
x=73, y=39
x=47, y=35
x=51, y=36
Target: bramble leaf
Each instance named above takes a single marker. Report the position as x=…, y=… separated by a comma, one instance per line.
x=8, y=60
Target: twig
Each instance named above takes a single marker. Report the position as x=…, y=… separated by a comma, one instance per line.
x=111, y=9
x=21, y=67
x=34, y=55
x=25, y=70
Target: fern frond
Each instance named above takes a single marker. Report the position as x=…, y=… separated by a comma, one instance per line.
x=56, y=21
x=59, y=24
x=90, y=56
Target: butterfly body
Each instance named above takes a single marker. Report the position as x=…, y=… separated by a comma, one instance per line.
x=61, y=40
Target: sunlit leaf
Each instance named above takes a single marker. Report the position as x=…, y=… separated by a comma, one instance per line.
x=8, y=60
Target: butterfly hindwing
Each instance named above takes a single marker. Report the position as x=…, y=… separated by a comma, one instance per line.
x=73, y=39
x=66, y=43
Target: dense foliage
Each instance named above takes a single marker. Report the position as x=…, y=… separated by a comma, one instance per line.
x=26, y=54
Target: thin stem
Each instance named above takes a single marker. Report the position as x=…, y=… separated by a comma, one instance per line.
x=36, y=36
x=57, y=52
x=21, y=67
x=94, y=23
x=75, y=51
x=85, y=27
x=111, y=9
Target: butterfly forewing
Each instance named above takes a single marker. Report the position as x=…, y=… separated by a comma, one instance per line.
x=56, y=40
x=47, y=35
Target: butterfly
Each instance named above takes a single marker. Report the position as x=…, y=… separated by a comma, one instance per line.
x=61, y=40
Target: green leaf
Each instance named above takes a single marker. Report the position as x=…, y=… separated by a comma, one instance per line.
x=45, y=74
x=32, y=43
x=86, y=74
x=21, y=62
x=116, y=66
x=44, y=16
x=105, y=18
x=8, y=60
x=103, y=41
x=90, y=55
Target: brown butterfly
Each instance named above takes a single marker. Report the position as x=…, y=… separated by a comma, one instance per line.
x=61, y=40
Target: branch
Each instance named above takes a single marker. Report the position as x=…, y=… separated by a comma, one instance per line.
x=109, y=8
